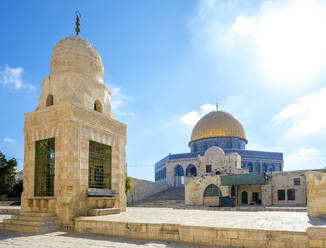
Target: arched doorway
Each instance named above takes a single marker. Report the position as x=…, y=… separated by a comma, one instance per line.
x=178, y=176
x=191, y=171
x=211, y=195
x=244, y=197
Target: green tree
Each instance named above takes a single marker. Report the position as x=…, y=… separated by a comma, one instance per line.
x=324, y=170
x=128, y=183
x=7, y=174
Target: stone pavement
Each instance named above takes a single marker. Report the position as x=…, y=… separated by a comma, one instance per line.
x=69, y=240
x=265, y=220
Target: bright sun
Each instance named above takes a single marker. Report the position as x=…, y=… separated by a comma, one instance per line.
x=290, y=40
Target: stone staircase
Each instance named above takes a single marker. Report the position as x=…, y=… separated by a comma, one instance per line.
x=32, y=222
x=172, y=197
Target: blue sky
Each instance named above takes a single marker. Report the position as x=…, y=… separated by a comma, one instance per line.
x=168, y=62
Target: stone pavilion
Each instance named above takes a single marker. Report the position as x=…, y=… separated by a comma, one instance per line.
x=75, y=149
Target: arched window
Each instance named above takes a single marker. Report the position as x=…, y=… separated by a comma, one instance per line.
x=250, y=166
x=49, y=100
x=265, y=167
x=191, y=171
x=212, y=190
x=257, y=167
x=273, y=167
x=98, y=106
x=178, y=171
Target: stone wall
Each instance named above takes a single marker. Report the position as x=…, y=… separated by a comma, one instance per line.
x=250, y=189
x=220, y=163
x=195, y=188
x=72, y=127
x=212, y=236
x=285, y=181
x=141, y=189
x=316, y=185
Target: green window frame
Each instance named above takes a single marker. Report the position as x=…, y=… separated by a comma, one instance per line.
x=99, y=165
x=44, y=167
x=212, y=190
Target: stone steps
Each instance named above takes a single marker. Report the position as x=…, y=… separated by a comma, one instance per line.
x=32, y=218
x=103, y=211
x=32, y=222
x=31, y=229
x=168, y=198
x=29, y=222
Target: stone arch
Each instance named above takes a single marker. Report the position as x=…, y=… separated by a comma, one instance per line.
x=98, y=106
x=191, y=170
x=178, y=170
x=178, y=176
x=212, y=190
x=49, y=100
x=212, y=195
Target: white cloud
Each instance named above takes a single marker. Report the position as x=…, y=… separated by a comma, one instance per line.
x=118, y=101
x=286, y=40
x=8, y=140
x=304, y=158
x=192, y=117
x=12, y=78
x=305, y=116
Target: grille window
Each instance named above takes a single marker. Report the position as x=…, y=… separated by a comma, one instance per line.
x=44, y=168
x=255, y=196
x=208, y=168
x=291, y=194
x=99, y=175
x=281, y=194
x=212, y=190
x=296, y=181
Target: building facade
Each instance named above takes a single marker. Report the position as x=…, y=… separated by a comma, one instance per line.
x=219, y=129
x=75, y=149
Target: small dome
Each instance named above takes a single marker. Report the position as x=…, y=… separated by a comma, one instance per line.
x=214, y=150
x=77, y=55
x=217, y=124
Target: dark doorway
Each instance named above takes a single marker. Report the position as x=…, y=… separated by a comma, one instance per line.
x=244, y=197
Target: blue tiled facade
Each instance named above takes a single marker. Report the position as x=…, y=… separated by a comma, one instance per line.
x=224, y=143
x=256, y=161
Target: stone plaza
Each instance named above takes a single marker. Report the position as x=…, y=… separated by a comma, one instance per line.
x=75, y=167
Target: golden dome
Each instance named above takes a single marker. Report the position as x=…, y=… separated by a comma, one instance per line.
x=218, y=124
x=77, y=55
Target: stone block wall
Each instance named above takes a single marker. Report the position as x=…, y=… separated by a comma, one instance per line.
x=285, y=181
x=195, y=188
x=141, y=189
x=316, y=192
x=72, y=127
x=199, y=235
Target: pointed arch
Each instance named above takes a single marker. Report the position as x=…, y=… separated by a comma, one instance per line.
x=49, y=100
x=98, y=106
x=191, y=170
x=212, y=190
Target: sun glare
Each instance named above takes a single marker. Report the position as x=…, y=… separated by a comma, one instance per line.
x=291, y=43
